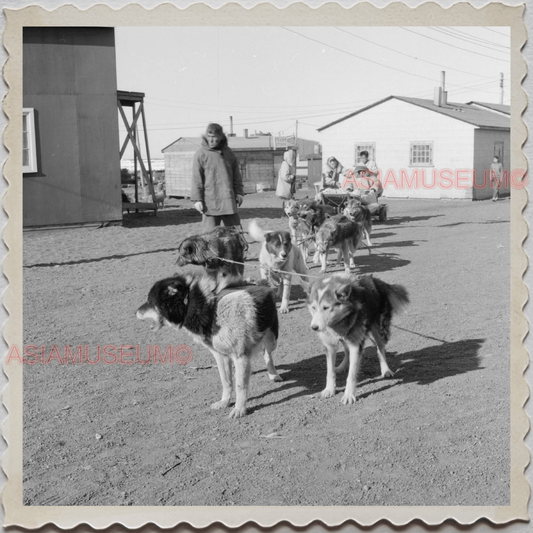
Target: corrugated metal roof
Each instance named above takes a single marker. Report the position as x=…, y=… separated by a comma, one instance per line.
x=184, y=144
x=501, y=108
x=482, y=118
x=261, y=142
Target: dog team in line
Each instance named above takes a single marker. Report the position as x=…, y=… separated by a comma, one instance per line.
x=236, y=318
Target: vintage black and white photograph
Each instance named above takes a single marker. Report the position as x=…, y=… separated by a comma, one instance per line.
x=267, y=265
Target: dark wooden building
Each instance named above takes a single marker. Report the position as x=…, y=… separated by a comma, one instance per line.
x=71, y=168
x=259, y=160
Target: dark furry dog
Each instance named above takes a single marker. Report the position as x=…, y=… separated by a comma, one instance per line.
x=340, y=233
x=348, y=310
x=210, y=249
x=360, y=213
x=233, y=326
x=314, y=213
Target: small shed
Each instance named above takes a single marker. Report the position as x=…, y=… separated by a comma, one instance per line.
x=259, y=160
x=426, y=148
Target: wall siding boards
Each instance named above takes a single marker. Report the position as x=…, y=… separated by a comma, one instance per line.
x=458, y=147
x=69, y=78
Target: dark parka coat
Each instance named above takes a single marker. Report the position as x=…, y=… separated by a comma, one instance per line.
x=216, y=178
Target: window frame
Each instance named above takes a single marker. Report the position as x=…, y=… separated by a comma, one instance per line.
x=412, y=144
x=32, y=165
x=360, y=146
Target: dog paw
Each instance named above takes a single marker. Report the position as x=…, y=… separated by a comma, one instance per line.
x=327, y=393
x=387, y=374
x=222, y=404
x=275, y=377
x=237, y=412
x=348, y=398
x=284, y=309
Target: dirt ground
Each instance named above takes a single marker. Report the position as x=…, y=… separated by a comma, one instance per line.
x=438, y=433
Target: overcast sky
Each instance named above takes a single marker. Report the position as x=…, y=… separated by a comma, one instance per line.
x=268, y=78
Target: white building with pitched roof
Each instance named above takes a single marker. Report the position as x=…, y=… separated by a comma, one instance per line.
x=426, y=148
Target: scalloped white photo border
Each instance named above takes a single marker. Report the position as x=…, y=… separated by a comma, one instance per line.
x=263, y=14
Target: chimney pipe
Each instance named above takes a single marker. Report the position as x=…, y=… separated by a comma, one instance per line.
x=231, y=125
x=440, y=96
x=246, y=134
x=437, y=96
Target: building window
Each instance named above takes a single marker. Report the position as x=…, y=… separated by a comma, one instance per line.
x=369, y=147
x=29, y=145
x=421, y=154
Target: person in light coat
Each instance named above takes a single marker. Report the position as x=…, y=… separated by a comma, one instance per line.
x=286, y=186
x=216, y=185
x=331, y=178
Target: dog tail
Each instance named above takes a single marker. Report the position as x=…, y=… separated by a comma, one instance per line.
x=255, y=232
x=398, y=298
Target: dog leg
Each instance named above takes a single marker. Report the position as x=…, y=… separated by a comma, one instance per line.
x=225, y=370
x=317, y=256
x=301, y=268
x=269, y=347
x=351, y=381
x=324, y=260
x=345, y=361
x=339, y=255
x=331, y=378
x=286, y=294
x=367, y=235
x=243, y=370
x=347, y=257
x=304, y=251
x=386, y=372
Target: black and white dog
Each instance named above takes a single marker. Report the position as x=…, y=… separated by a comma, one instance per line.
x=233, y=325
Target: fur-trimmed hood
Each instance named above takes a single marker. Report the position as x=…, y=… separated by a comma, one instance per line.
x=221, y=145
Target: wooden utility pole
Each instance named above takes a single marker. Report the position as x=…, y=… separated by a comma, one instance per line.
x=501, y=87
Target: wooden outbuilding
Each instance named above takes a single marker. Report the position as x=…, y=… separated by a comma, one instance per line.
x=259, y=158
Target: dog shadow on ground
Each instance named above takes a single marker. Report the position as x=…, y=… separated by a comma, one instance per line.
x=422, y=367
x=473, y=222
x=396, y=221
x=382, y=262
x=171, y=216
x=395, y=244
x=247, y=213
x=175, y=216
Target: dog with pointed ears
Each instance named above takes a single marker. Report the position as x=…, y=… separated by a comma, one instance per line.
x=234, y=325
x=279, y=260
x=358, y=212
x=342, y=234
x=220, y=252
x=347, y=310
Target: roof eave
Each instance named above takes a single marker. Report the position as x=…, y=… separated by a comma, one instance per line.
x=453, y=118
x=379, y=102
